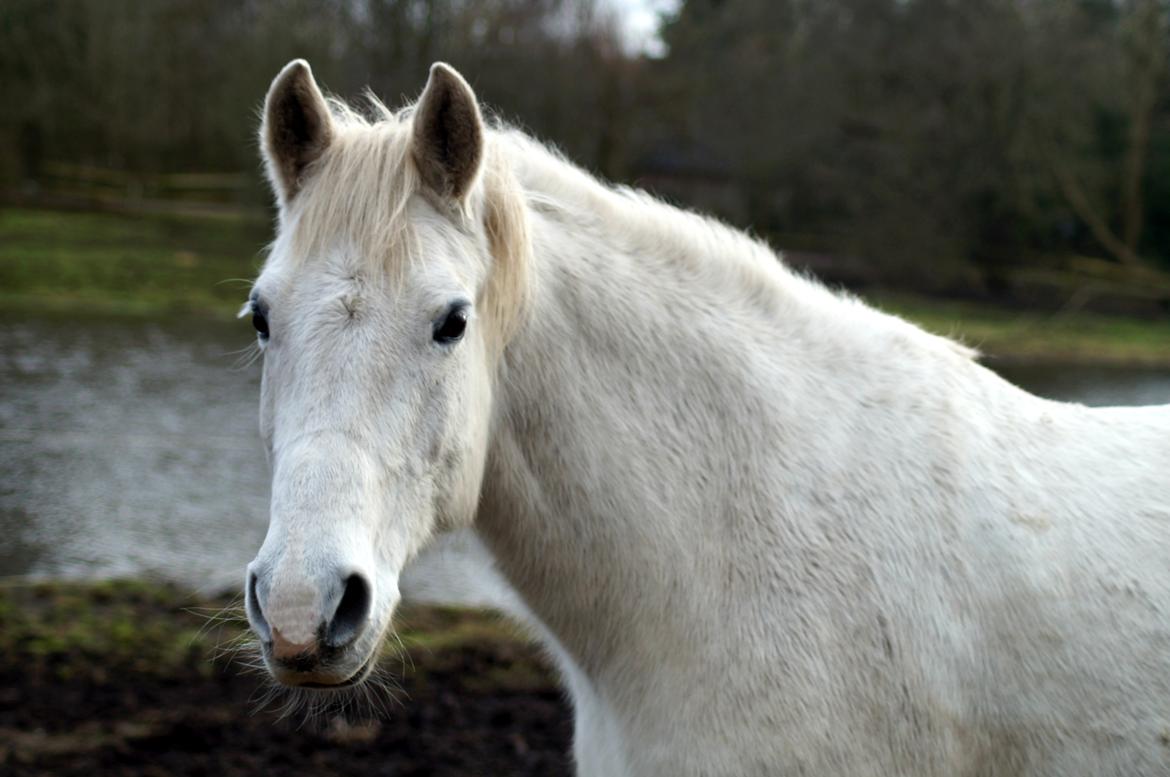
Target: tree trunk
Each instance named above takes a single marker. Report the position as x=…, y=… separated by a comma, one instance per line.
x=1097, y=223
x=1148, y=58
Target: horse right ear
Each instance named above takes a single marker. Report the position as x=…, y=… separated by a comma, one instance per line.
x=296, y=130
x=448, y=133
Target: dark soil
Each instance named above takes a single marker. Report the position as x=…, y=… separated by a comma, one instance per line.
x=117, y=679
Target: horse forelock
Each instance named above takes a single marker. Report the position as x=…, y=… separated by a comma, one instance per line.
x=360, y=192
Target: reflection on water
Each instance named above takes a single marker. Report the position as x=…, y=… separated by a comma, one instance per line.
x=1096, y=386
x=129, y=447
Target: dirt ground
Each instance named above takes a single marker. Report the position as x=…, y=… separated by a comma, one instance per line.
x=120, y=679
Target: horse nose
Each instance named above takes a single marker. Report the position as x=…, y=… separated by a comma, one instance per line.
x=348, y=602
x=253, y=609
x=350, y=614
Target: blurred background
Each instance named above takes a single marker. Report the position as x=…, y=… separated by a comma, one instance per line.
x=995, y=170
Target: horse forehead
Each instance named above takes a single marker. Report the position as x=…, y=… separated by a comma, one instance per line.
x=423, y=250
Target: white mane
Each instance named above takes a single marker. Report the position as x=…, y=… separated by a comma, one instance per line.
x=703, y=247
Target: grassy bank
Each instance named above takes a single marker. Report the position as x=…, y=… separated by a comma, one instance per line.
x=68, y=261
x=133, y=678
x=62, y=630
x=1021, y=335
x=106, y=262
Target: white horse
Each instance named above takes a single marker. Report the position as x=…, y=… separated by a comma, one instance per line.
x=763, y=528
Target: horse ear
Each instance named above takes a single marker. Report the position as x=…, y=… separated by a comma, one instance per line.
x=448, y=133
x=296, y=130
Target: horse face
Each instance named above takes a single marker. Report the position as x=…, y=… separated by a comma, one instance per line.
x=375, y=394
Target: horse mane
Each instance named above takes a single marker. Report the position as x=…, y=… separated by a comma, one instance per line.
x=716, y=254
x=363, y=184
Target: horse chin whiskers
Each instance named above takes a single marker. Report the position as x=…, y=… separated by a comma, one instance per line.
x=239, y=649
x=371, y=696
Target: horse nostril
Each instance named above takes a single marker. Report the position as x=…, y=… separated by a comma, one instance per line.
x=254, y=611
x=351, y=614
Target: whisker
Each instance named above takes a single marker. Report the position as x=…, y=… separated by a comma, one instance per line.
x=248, y=356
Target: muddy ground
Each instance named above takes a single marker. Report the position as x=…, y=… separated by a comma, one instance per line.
x=134, y=679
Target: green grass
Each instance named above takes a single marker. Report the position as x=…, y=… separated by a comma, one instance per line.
x=100, y=629
x=66, y=261
x=146, y=264
x=61, y=629
x=1018, y=335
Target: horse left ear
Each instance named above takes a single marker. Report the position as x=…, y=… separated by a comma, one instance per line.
x=296, y=130
x=448, y=133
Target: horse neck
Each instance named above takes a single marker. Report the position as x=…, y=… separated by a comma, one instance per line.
x=627, y=406
x=677, y=401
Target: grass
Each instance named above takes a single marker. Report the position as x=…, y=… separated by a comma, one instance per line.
x=61, y=629
x=146, y=264
x=67, y=261
x=67, y=630
x=1022, y=335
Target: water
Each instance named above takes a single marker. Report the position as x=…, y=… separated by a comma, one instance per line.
x=129, y=448
x=1095, y=386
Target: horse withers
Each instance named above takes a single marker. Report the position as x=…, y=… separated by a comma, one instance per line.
x=763, y=528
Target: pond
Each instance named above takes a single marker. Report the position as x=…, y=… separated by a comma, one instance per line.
x=129, y=447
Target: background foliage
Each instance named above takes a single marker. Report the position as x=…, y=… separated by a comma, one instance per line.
x=968, y=146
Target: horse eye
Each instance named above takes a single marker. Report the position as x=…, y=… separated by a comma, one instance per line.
x=451, y=328
x=260, y=322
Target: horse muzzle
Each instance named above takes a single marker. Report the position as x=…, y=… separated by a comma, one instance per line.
x=315, y=636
